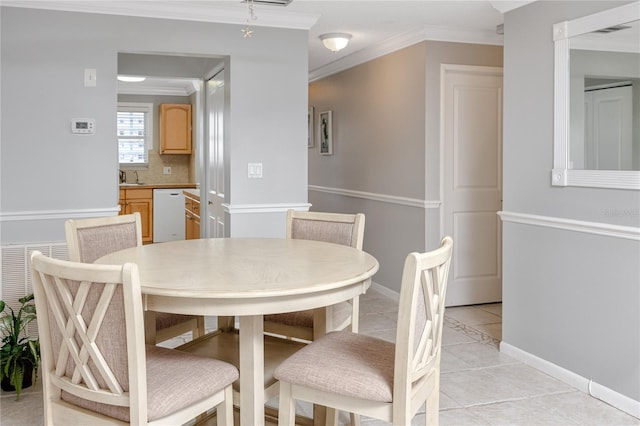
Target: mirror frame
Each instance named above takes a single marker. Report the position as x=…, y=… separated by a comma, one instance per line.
x=562, y=175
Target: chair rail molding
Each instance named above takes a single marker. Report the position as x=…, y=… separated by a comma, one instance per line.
x=263, y=208
x=596, y=228
x=383, y=198
x=19, y=216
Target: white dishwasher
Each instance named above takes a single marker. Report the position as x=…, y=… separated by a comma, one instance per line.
x=168, y=215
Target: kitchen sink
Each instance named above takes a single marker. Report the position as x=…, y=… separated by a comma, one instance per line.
x=132, y=184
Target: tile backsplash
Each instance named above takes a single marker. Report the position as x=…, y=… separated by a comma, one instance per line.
x=181, y=166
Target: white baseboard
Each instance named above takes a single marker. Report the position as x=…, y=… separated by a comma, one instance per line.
x=611, y=397
x=394, y=295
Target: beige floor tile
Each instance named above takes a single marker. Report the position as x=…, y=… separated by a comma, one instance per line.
x=469, y=356
x=494, y=308
x=472, y=315
x=479, y=385
x=452, y=336
x=493, y=330
x=26, y=411
x=496, y=384
x=460, y=417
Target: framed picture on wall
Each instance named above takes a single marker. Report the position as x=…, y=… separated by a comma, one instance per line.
x=310, y=129
x=326, y=133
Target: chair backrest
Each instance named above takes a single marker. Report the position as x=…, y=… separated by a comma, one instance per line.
x=420, y=318
x=90, y=239
x=338, y=228
x=91, y=333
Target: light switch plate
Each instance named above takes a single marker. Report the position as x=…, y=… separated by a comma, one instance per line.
x=90, y=77
x=166, y=170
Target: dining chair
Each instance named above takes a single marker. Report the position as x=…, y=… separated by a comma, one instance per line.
x=370, y=376
x=96, y=368
x=338, y=228
x=90, y=239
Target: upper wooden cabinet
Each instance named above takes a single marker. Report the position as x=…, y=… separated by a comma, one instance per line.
x=175, y=129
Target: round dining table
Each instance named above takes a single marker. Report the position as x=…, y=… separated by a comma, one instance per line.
x=248, y=278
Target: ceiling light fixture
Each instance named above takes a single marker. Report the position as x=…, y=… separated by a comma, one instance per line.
x=335, y=41
x=131, y=78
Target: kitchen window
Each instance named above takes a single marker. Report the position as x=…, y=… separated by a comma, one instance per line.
x=135, y=136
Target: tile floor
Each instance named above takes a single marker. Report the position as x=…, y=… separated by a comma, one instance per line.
x=479, y=385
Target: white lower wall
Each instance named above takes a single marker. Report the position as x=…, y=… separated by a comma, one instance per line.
x=583, y=384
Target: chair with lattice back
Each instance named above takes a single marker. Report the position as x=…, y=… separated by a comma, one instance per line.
x=90, y=239
x=96, y=368
x=337, y=228
x=372, y=377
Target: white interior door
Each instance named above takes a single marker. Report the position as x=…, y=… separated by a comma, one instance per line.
x=472, y=181
x=608, y=128
x=215, y=163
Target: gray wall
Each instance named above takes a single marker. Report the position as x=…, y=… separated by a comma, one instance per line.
x=386, y=159
x=570, y=298
x=48, y=174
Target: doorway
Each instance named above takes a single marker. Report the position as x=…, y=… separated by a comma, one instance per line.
x=471, y=178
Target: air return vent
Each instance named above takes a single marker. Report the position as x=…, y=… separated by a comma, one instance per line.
x=612, y=29
x=270, y=2
x=16, y=273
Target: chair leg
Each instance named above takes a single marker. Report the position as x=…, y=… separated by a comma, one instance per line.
x=150, y=327
x=198, y=331
x=332, y=416
x=287, y=408
x=355, y=314
x=432, y=405
x=224, y=411
x=355, y=419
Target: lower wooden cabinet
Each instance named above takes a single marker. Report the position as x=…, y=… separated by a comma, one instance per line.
x=191, y=217
x=139, y=200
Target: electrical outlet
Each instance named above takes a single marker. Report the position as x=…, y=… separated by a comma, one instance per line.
x=166, y=170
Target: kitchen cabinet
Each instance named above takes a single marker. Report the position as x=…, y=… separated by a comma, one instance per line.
x=139, y=200
x=191, y=216
x=175, y=129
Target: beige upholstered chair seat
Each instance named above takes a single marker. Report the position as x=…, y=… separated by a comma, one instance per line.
x=96, y=368
x=367, y=376
x=201, y=376
x=344, y=363
x=341, y=314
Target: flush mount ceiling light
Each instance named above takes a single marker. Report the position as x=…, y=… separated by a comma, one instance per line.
x=131, y=78
x=335, y=41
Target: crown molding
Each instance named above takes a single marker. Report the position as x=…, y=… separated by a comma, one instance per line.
x=504, y=6
x=227, y=13
x=431, y=33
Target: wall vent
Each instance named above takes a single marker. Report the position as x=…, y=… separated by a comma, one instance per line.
x=613, y=29
x=15, y=279
x=269, y=2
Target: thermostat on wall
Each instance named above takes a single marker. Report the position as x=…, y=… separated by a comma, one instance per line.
x=83, y=126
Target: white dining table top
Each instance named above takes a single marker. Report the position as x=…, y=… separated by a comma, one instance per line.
x=248, y=277
x=244, y=267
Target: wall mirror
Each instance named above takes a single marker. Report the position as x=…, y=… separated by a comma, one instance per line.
x=597, y=100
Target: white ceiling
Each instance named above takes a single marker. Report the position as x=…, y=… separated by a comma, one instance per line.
x=377, y=26
x=375, y=23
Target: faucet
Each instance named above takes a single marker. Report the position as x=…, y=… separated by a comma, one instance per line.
x=137, y=178
x=123, y=176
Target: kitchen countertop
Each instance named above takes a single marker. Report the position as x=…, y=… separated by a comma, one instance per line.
x=159, y=185
x=193, y=193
